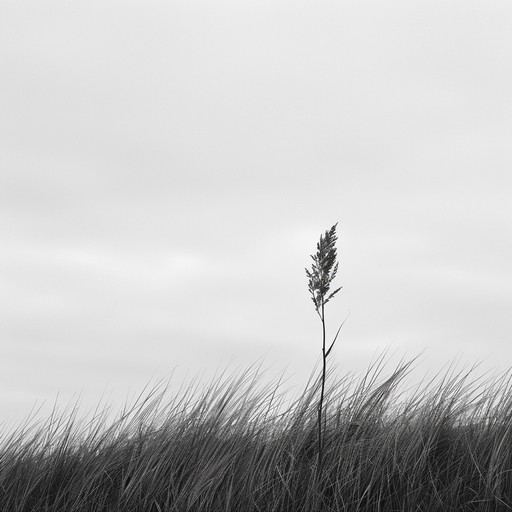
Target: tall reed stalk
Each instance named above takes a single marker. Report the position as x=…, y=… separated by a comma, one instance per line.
x=322, y=274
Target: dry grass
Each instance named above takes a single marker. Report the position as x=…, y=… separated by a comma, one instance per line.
x=234, y=447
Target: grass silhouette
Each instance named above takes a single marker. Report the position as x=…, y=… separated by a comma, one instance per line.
x=237, y=447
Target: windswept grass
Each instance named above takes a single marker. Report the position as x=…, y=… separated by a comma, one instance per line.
x=235, y=447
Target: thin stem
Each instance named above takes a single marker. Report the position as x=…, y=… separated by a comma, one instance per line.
x=320, y=405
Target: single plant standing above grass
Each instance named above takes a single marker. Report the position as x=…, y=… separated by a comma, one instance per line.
x=322, y=274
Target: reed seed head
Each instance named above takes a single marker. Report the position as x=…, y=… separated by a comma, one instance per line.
x=324, y=269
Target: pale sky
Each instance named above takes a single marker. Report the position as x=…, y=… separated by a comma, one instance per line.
x=167, y=167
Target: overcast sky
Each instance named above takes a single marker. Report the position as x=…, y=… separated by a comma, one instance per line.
x=167, y=167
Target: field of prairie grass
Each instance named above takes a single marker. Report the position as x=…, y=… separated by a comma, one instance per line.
x=445, y=445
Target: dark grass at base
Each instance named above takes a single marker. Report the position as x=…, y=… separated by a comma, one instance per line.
x=234, y=447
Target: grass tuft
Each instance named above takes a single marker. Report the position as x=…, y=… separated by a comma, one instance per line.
x=237, y=446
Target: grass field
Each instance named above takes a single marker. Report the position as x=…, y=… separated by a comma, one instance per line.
x=446, y=446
